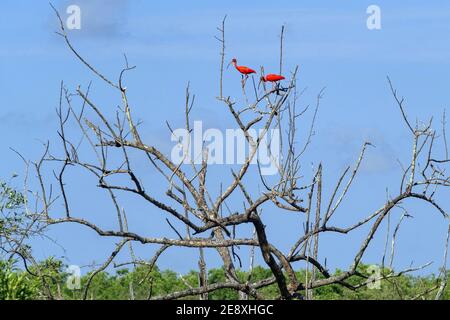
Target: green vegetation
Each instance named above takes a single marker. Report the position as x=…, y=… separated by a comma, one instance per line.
x=14, y=285
x=11, y=210
x=140, y=284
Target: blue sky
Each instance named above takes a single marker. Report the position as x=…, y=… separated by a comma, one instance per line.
x=173, y=43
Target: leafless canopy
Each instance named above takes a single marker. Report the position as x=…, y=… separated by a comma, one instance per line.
x=190, y=199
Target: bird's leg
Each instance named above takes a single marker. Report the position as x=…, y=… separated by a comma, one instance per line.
x=280, y=88
x=244, y=80
x=277, y=88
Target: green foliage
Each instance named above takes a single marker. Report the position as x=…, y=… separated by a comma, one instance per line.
x=14, y=284
x=11, y=213
x=11, y=199
x=141, y=284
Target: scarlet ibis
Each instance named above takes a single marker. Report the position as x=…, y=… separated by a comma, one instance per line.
x=272, y=78
x=242, y=69
x=245, y=71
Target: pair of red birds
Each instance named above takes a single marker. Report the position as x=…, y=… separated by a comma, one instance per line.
x=246, y=71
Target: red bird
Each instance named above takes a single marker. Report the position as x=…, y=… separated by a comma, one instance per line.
x=242, y=69
x=272, y=78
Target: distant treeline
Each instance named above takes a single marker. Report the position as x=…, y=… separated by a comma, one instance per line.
x=142, y=283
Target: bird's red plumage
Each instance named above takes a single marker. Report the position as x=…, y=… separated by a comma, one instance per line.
x=245, y=70
x=242, y=69
x=273, y=77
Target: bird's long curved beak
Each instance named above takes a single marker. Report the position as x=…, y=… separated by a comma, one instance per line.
x=228, y=65
x=259, y=84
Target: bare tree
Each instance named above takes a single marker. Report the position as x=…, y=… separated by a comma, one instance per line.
x=209, y=222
